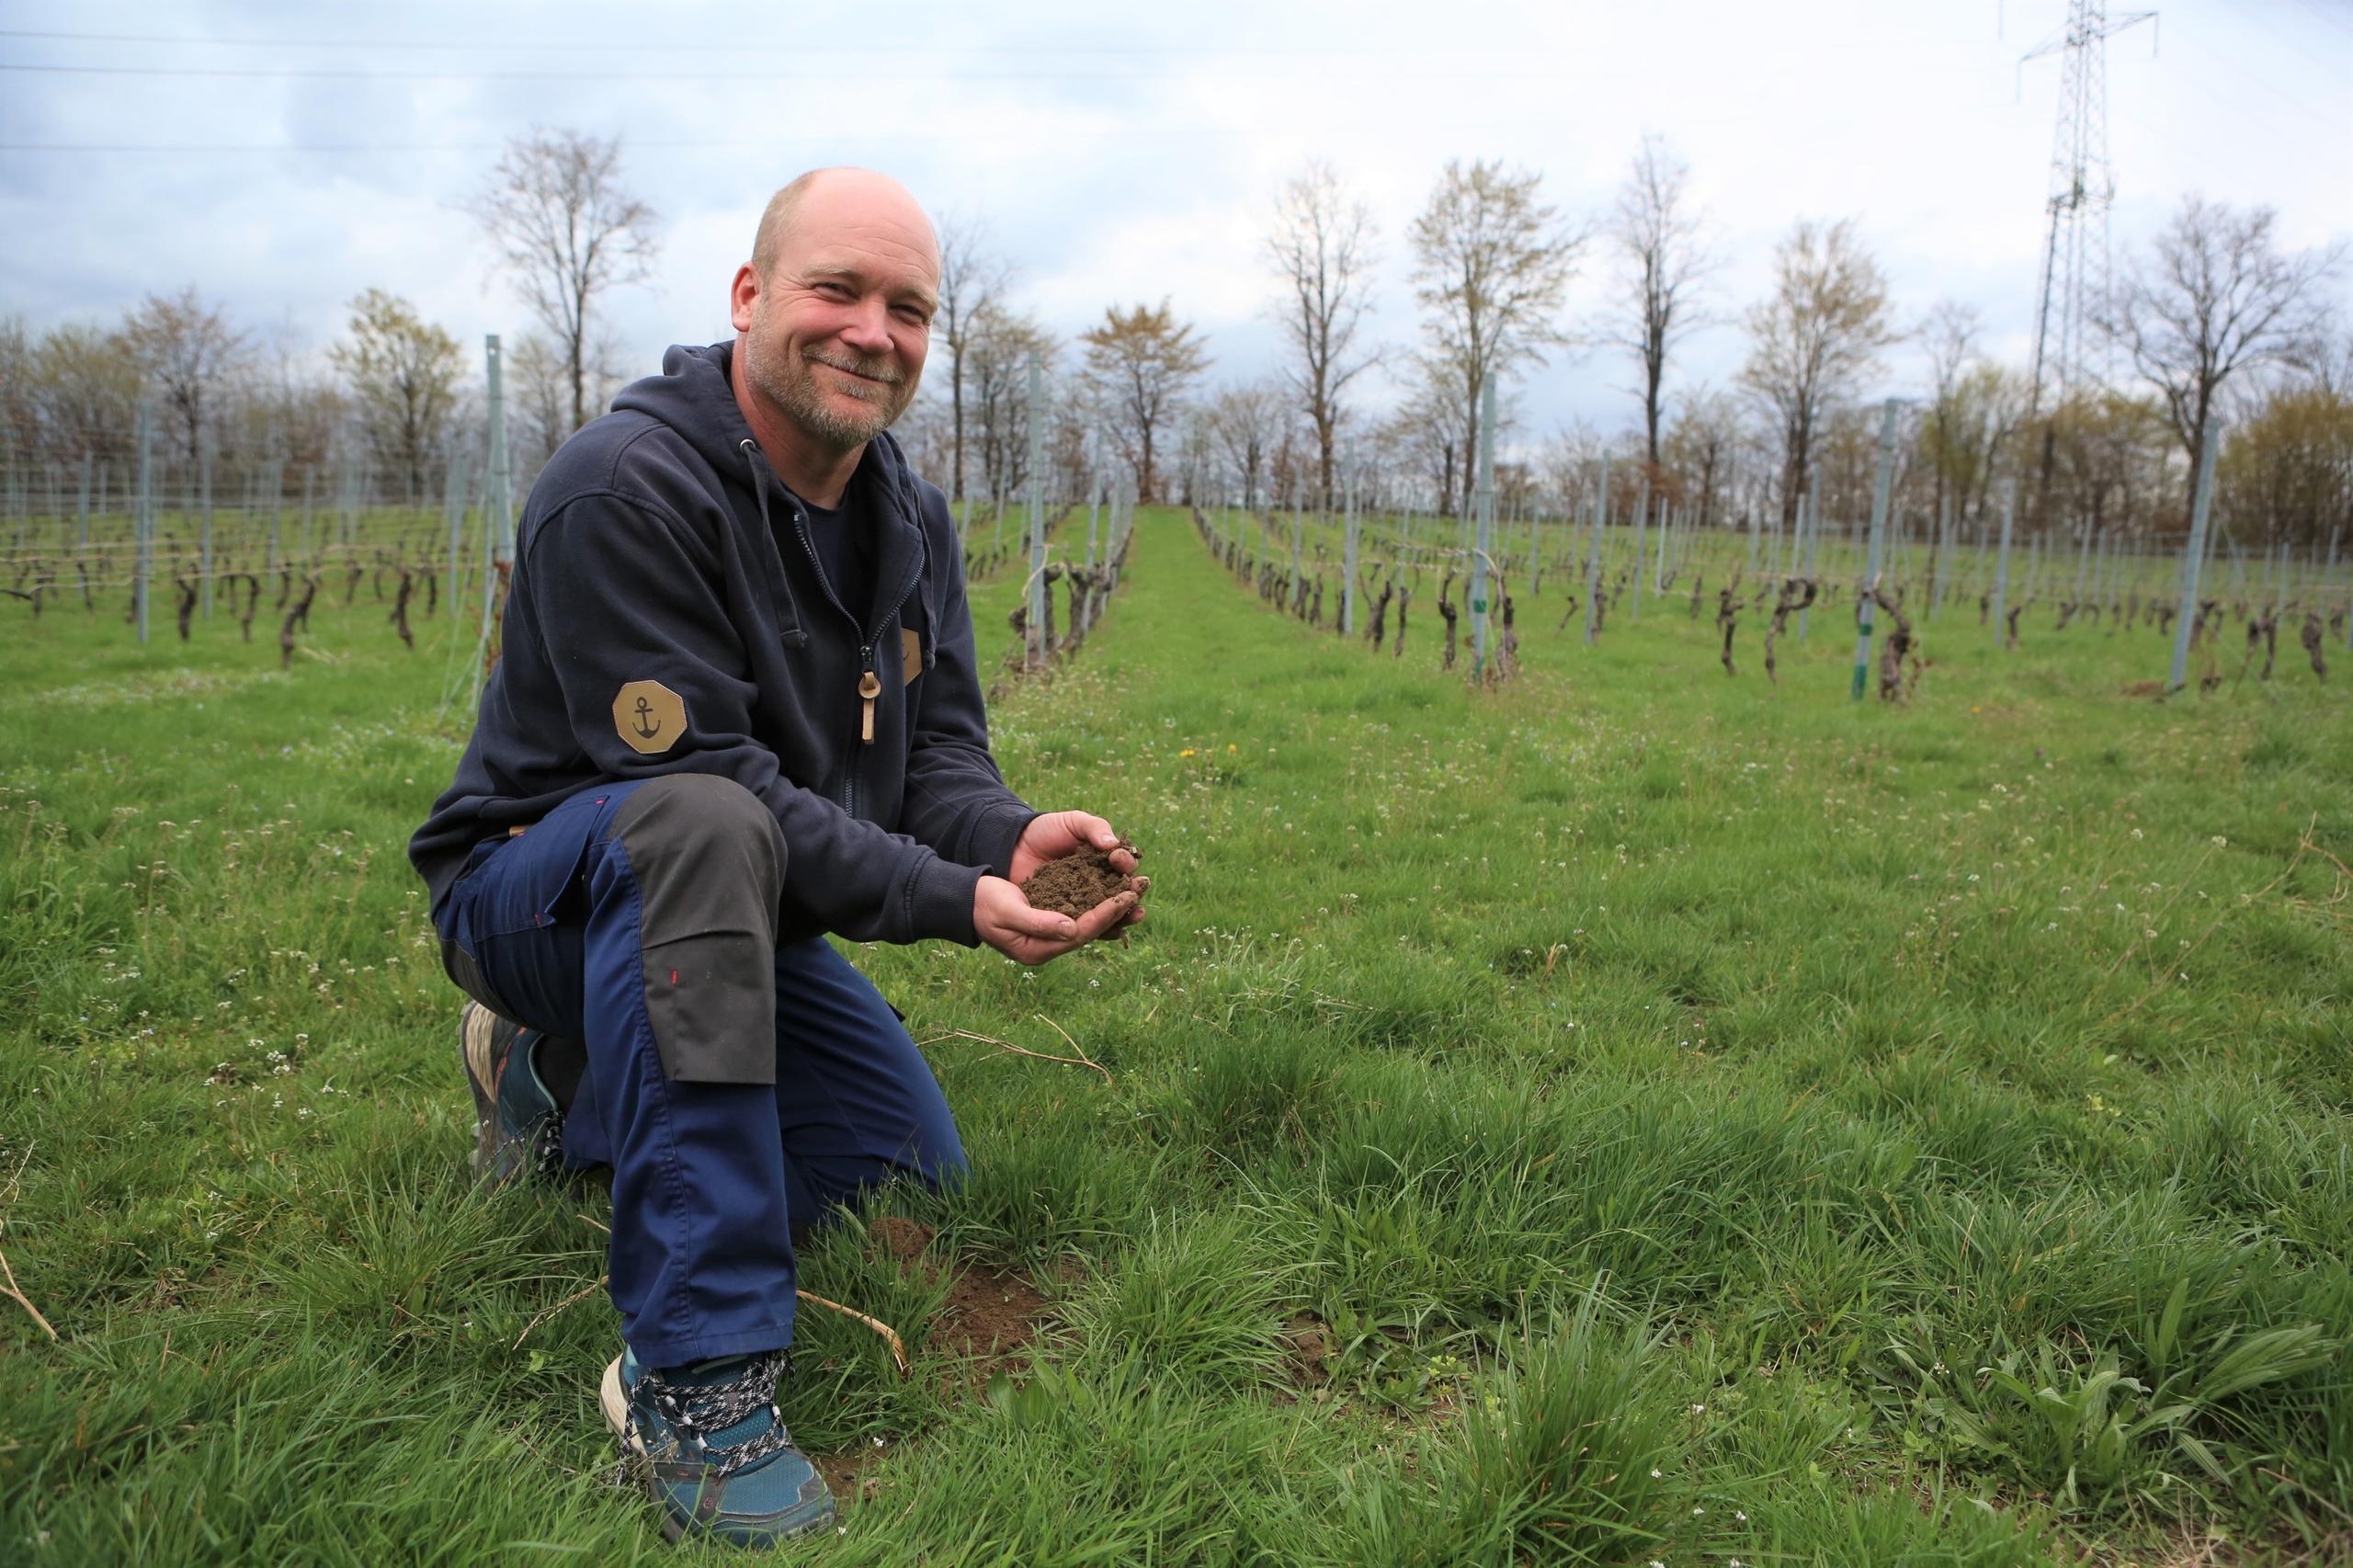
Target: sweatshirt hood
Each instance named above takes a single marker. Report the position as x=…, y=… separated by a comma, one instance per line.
x=694, y=397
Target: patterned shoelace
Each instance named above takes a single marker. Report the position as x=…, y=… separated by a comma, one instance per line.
x=546, y=1151
x=695, y=1411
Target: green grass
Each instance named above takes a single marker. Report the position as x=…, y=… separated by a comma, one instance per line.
x=1708, y=1121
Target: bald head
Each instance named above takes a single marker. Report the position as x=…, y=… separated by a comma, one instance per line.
x=833, y=321
x=825, y=202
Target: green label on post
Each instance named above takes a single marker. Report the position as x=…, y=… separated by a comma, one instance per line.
x=1478, y=606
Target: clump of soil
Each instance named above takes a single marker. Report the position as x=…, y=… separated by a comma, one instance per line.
x=1077, y=883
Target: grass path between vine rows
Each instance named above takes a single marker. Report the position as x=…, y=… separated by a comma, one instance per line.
x=1631, y=1115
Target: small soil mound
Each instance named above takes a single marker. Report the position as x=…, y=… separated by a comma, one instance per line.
x=1075, y=883
x=901, y=1241
x=994, y=1314
x=1307, y=1345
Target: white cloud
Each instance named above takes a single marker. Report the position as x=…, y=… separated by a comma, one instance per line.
x=1123, y=159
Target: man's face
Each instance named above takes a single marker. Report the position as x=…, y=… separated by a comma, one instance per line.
x=834, y=336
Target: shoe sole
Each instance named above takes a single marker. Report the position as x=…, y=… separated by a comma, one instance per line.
x=476, y=1047
x=614, y=1401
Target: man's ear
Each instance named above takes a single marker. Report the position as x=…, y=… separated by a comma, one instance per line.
x=740, y=295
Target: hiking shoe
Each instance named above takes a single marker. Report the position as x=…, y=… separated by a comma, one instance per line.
x=712, y=1445
x=519, y=1122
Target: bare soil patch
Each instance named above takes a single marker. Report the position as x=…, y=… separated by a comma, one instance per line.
x=843, y=1473
x=992, y=1314
x=1309, y=1347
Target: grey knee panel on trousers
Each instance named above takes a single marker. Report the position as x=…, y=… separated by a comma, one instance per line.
x=709, y=861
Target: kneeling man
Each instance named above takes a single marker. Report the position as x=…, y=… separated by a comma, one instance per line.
x=737, y=708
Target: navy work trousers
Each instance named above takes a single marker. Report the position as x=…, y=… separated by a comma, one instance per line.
x=709, y=1178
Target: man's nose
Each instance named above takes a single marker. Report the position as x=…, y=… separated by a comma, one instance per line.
x=868, y=330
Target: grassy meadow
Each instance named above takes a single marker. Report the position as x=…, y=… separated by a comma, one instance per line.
x=1625, y=1115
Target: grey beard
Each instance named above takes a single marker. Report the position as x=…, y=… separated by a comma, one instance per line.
x=798, y=396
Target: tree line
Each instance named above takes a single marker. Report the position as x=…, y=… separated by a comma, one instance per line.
x=2213, y=319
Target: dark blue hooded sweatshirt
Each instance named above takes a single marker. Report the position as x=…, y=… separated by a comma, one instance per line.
x=668, y=614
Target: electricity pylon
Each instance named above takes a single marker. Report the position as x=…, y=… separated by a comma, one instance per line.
x=2069, y=346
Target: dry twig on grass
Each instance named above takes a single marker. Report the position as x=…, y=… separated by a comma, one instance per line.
x=1081, y=1060
x=890, y=1334
x=2163, y=976
x=546, y=1313
x=9, y=1289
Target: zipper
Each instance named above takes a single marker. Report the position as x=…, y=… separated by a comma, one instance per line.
x=870, y=685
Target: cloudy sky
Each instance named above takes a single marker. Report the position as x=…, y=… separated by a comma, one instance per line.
x=281, y=156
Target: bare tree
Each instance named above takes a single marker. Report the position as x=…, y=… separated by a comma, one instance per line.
x=1141, y=361
x=1492, y=265
x=1989, y=403
x=17, y=429
x=2288, y=468
x=404, y=373
x=1815, y=336
x=1665, y=259
x=1950, y=332
x=1246, y=420
x=999, y=346
x=188, y=350
x=970, y=278
x=556, y=212
x=1699, y=447
x=2214, y=297
x=84, y=383
x=1429, y=429
x=539, y=398
x=1321, y=247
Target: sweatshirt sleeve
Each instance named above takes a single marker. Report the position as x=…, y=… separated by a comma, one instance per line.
x=623, y=600
x=956, y=799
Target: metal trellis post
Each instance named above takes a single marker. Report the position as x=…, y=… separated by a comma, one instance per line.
x=1485, y=508
x=2002, y=558
x=1593, y=559
x=2193, y=557
x=1034, y=636
x=143, y=561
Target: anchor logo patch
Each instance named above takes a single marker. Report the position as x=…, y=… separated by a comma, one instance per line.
x=649, y=716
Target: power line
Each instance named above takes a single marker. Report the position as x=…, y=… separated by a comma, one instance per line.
x=896, y=50
x=321, y=147
x=324, y=73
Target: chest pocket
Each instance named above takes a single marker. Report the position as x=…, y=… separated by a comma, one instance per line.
x=917, y=652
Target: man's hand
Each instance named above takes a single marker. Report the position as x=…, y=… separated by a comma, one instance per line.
x=1002, y=917
x=1058, y=834
x=1005, y=921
